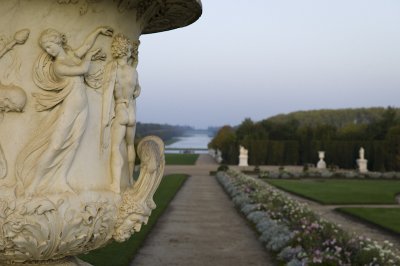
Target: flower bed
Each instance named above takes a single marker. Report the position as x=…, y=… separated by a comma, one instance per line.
x=295, y=233
x=327, y=173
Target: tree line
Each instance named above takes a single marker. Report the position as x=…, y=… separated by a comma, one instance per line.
x=295, y=139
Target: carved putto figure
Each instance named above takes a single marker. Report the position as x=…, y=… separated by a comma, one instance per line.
x=43, y=165
x=121, y=88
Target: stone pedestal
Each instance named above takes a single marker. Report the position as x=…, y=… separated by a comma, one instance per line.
x=321, y=163
x=362, y=165
x=68, y=91
x=243, y=160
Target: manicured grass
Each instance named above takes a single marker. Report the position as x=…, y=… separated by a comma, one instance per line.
x=388, y=218
x=342, y=191
x=121, y=254
x=180, y=159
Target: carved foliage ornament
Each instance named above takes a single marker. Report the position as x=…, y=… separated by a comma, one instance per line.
x=51, y=228
x=56, y=226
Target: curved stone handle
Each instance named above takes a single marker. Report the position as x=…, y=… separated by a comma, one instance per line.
x=137, y=201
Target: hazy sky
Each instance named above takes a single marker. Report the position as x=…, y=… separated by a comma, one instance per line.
x=259, y=58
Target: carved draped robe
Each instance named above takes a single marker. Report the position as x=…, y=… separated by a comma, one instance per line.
x=42, y=166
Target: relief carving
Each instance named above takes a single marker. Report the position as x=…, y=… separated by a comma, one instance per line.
x=169, y=14
x=161, y=15
x=12, y=97
x=59, y=72
x=83, y=9
x=121, y=88
x=20, y=37
x=3, y=164
x=68, y=188
x=137, y=201
x=156, y=15
x=52, y=228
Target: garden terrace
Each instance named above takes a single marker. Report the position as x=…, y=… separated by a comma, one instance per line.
x=296, y=233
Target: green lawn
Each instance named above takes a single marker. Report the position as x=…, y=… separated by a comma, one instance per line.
x=180, y=159
x=388, y=218
x=121, y=254
x=343, y=191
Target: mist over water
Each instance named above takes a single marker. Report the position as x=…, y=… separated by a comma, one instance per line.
x=195, y=141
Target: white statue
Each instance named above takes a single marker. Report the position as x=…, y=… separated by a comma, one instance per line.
x=121, y=88
x=361, y=153
x=362, y=162
x=321, y=163
x=243, y=157
x=43, y=165
x=243, y=151
x=218, y=156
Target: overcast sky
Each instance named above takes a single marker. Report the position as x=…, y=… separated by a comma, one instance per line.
x=260, y=58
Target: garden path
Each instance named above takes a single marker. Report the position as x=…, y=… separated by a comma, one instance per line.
x=201, y=227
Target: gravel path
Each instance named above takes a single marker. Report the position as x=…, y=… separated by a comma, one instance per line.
x=201, y=227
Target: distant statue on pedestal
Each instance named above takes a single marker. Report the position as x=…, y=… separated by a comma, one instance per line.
x=321, y=163
x=362, y=162
x=243, y=157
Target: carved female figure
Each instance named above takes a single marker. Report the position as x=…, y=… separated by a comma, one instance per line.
x=59, y=72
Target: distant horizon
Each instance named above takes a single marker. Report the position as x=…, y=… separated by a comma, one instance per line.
x=233, y=125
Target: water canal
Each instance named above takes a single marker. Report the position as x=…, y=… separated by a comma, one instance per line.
x=196, y=143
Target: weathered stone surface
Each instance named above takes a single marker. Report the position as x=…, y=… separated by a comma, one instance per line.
x=68, y=90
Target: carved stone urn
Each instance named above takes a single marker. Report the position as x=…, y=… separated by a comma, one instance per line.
x=68, y=89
